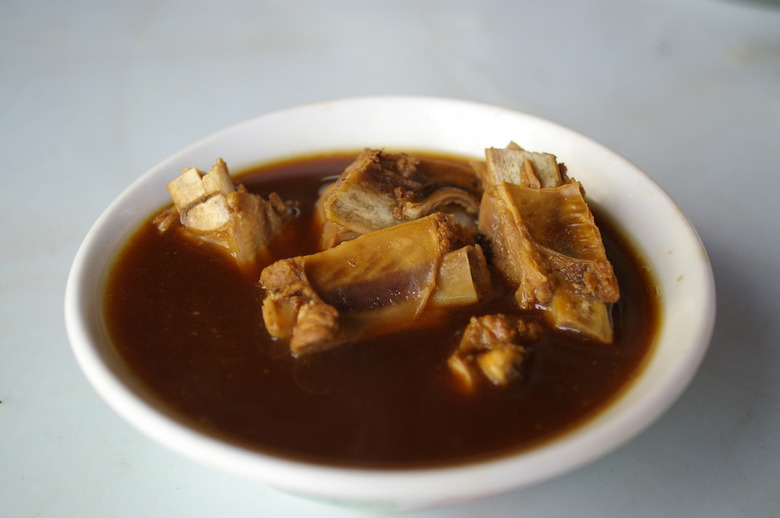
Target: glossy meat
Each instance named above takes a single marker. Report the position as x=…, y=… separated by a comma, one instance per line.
x=544, y=239
x=492, y=349
x=380, y=189
x=376, y=283
x=210, y=210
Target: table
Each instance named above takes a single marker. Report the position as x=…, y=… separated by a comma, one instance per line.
x=94, y=94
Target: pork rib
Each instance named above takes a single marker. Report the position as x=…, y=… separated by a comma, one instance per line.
x=211, y=210
x=543, y=237
x=376, y=283
x=381, y=189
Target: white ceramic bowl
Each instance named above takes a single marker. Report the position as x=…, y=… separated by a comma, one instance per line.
x=663, y=233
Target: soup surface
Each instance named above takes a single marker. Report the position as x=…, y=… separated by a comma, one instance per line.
x=189, y=324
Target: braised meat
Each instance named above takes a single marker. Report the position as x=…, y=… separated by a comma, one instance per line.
x=378, y=282
x=544, y=239
x=381, y=189
x=331, y=233
x=517, y=166
x=491, y=349
x=400, y=245
x=211, y=210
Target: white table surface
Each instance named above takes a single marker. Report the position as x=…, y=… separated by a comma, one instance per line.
x=92, y=94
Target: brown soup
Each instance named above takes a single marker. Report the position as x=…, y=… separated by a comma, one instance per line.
x=189, y=325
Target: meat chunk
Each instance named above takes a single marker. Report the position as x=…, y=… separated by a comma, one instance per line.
x=331, y=233
x=211, y=210
x=292, y=303
x=463, y=278
x=381, y=189
x=565, y=244
x=520, y=167
x=492, y=348
x=373, y=284
x=544, y=239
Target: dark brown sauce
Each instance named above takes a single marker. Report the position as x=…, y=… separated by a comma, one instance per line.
x=189, y=325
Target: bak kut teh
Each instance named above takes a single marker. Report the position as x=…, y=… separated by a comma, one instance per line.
x=383, y=310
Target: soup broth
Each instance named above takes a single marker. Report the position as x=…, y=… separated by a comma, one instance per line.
x=189, y=325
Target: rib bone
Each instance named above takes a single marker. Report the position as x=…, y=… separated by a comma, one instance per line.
x=211, y=210
x=373, y=284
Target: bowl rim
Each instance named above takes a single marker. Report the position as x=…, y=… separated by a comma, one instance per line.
x=561, y=455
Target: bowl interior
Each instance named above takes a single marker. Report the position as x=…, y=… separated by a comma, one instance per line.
x=662, y=233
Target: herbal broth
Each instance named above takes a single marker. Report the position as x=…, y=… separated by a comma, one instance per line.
x=189, y=325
